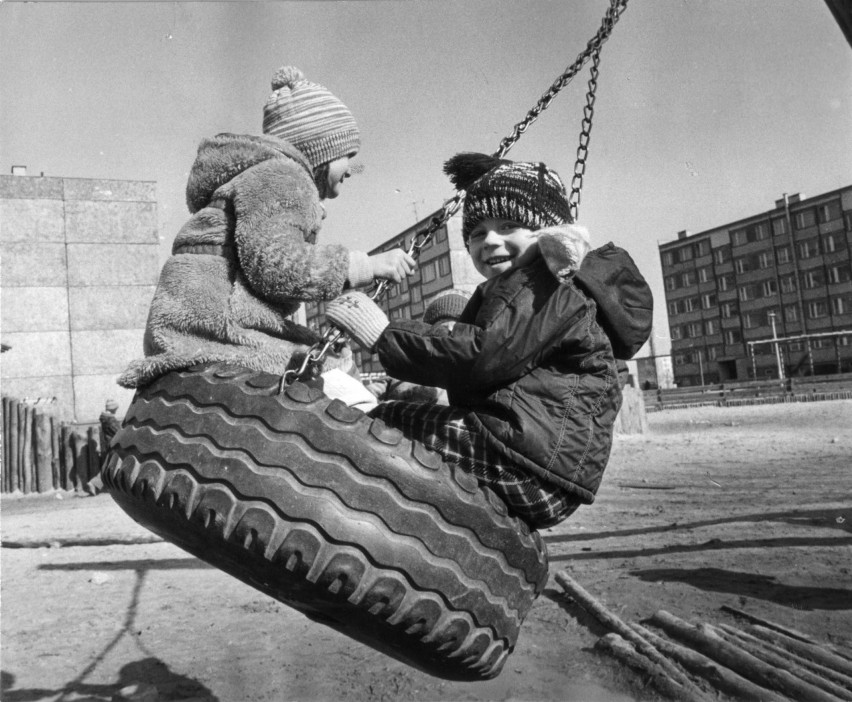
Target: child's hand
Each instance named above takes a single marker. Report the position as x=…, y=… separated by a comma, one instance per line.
x=392, y=265
x=358, y=316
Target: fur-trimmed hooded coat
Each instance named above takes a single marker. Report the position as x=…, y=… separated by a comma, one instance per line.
x=243, y=264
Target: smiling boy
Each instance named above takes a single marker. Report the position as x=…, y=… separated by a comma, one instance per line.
x=529, y=370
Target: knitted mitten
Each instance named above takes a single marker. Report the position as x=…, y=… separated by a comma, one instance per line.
x=563, y=247
x=357, y=315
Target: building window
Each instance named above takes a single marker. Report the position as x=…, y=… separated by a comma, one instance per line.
x=722, y=254
x=829, y=211
x=841, y=305
x=684, y=254
x=441, y=234
x=742, y=265
x=795, y=346
x=813, y=279
x=733, y=336
x=839, y=274
x=791, y=313
x=705, y=274
x=713, y=353
x=751, y=320
x=748, y=292
x=674, y=308
x=397, y=313
x=809, y=248
x=770, y=287
x=668, y=258
x=416, y=295
x=679, y=359
x=804, y=219
x=764, y=260
x=779, y=226
x=702, y=248
x=833, y=242
x=671, y=282
x=788, y=283
x=711, y=326
x=427, y=272
x=693, y=330
x=688, y=279
x=817, y=309
x=443, y=266
x=676, y=333
x=782, y=253
x=708, y=301
x=729, y=309
x=726, y=282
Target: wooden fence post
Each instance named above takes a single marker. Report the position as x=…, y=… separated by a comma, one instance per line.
x=27, y=452
x=67, y=469
x=14, y=484
x=56, y=451
x=43, y=452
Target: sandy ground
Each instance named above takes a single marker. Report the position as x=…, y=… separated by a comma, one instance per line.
x=748, y=507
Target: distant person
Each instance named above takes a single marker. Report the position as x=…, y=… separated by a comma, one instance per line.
x=110, y=424
x=247, y=258
x=530, y=366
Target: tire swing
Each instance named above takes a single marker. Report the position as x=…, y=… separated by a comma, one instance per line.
x=335, y=514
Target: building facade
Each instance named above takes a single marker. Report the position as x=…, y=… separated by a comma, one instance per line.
x=80, y=262
x=442, y=264
x=767, y=296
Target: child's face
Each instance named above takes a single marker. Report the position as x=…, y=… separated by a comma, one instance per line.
x=338, y=171
x=498, y=245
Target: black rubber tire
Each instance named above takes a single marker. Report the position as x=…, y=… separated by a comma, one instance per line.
x=330, y=512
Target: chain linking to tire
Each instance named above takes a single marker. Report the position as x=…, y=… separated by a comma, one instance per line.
x=334, y=337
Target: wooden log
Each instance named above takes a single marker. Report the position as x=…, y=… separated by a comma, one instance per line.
x=57, y=451
x=813, y=652
x=27, y=473
x=43, y=452
x=14, y=482
x=791, y=663
x=828, y=673
x=722, y=678
x=752, y=619
x=700, y=637
x=613, y=623
x=66, y=466
x=625, y=652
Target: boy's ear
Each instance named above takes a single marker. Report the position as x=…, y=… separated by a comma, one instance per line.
x=563, y=248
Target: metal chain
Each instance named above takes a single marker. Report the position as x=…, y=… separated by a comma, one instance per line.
x=333, y=336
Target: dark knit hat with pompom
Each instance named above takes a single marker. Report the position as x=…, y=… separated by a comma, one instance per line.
x=309, y=117
x=527, y=193
x=446, y=306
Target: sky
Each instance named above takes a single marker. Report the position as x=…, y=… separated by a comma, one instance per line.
x=706, y=110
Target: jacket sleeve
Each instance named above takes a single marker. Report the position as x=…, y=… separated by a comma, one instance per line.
x=518, y=336
x=277, y=215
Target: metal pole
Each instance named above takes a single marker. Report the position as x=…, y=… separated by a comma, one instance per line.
x=776, y=347
x=701, y=367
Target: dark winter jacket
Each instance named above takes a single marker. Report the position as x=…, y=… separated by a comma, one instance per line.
x=243, y=263
x=532, y=362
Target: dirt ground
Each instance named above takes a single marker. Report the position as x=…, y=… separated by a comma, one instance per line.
x=748, y=507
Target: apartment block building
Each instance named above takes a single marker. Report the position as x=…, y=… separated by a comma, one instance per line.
x=80, y=262
x=442, y=264
x=766, y=296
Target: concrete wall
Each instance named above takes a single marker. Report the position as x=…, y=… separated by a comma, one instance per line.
x=79, y=267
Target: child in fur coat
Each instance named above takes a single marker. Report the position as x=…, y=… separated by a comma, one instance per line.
x=247, y=258
x=530, y=365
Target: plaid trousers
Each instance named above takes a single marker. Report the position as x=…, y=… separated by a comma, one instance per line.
x=449, y=431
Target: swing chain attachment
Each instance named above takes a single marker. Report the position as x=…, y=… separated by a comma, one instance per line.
x=332, y=336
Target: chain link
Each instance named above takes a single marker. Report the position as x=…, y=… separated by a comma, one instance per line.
x=333, y=336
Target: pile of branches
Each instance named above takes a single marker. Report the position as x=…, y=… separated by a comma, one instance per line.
x=763, y=662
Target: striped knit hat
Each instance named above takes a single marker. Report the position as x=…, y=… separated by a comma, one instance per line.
x=527, y=193
x=309, y=117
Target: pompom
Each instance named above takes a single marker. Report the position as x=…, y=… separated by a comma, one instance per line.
x=286, y=76
x=465, y=168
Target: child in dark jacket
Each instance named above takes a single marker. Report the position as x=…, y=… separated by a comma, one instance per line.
x=529, y=367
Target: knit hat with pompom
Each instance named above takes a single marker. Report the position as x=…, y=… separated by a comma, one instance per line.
x=446, y=306
x=527, y=193
x=309, y=117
